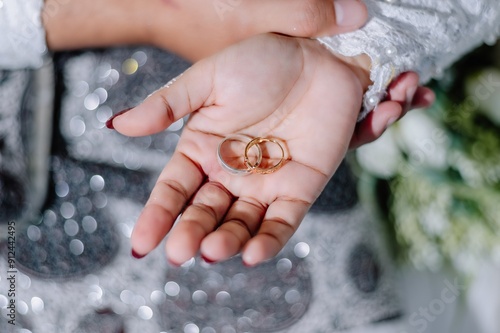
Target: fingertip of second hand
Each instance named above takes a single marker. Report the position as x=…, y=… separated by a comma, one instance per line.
x=109, y=122
x=248, y=260
x=136, y=255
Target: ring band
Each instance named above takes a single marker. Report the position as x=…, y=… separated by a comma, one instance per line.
x=256, y=168
x=235, y=171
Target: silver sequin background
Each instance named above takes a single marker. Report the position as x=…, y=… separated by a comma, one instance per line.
x=75, y=272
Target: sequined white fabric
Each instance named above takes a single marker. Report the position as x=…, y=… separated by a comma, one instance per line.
x=22, y=37
x=425, y=36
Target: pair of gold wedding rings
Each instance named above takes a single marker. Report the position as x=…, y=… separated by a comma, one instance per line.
x=251, y=165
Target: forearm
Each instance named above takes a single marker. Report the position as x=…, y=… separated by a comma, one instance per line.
x=192, y=29
x=73, y=24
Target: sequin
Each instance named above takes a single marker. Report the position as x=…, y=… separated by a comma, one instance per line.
x=158, y=297
x=191, y=328
x=91, y=101
x=67, y=210
x=76, y=247
x=301, y=250
x=97, y=183
x=130, y=66
x=102, y=94
x=172, y=289
x=34, y=233
x=71, y=228
x=77, y=126
x=62, y=189
x=89, y=224
x=80, y=89
x=145, y=312
x=141, y=57
x=3, y=301
x=22, y=308
x=37, y=305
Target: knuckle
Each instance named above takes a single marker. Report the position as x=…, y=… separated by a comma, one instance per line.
x=169, y=116
x=174, y=186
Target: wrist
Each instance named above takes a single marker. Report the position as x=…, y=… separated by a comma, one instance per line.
x=360, y=66
x=77, y=24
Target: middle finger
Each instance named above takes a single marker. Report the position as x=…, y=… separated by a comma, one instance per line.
x=209, y=205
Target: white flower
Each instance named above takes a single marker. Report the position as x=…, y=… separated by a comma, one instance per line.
x=484, y=91
x=424, y=140
x=381, y=157
x=434, y=220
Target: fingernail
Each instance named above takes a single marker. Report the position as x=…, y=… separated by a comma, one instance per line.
x=208, y=261
x=350, y=13
x=247, y=259
x=391, y=121
x=109, y=122
x=137, y=255
x=173, y=263
x=410, y=93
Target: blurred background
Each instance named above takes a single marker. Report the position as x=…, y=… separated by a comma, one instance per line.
x=403, y=239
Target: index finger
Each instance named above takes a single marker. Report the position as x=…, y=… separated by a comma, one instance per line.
x=181, y=96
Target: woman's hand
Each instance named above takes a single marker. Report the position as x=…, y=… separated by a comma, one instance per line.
x=267, y=86
x=196, y=29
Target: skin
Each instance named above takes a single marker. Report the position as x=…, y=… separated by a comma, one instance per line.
x=281, y=96
x=200, y=31
x=193, y=29
x=259, y=212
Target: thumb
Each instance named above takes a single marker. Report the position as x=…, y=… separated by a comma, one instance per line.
x=307, y=18
x=181, y=96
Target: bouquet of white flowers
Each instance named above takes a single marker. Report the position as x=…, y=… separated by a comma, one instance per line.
x=441, y=167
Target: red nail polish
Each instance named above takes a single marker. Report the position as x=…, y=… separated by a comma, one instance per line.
x=109, y=122
x=208, y=261
x=136, y=255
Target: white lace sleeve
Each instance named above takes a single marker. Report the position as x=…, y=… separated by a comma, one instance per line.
x=425, y=36
x=22, y=37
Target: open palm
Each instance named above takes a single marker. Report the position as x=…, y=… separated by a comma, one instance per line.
x=268, y=86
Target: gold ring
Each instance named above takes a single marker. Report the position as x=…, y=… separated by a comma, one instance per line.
x=255, y=167
x=236, y=171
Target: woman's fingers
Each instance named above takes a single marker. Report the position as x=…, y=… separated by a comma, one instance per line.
x=403, y=90
x=180, y=97
x=424, y=98
x=305, y=18
x=175, y=186
x=241, y=222
x=404, y=94
x=282, y=219
x=375, y=123
x=200, y=218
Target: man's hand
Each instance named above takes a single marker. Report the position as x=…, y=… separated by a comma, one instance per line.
x=193, y=29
